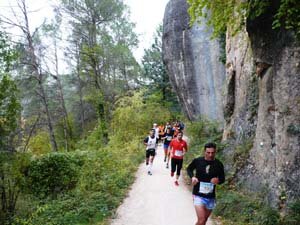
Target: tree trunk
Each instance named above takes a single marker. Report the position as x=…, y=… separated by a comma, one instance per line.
x=39, y=76
x=80, y=90
x=66, y=122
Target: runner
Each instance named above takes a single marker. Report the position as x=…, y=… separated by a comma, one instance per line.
x=151, y=143
x=161, y=131
x=181, y=125
x=175, y=130
x=209, y=173
x=168, y=125
x=156, y=130
x=178, y=147
x=167, y=139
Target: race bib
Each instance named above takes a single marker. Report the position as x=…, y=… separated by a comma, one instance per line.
x=178, y=153
x=206, y=188
x=169, y=138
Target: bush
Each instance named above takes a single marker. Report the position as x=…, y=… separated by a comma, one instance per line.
x=40, y=143
x=293, y=214
x=237, y=208
x=134, y=117
x=13, y=167
x=201, y=132
x=99, y=189
x=52, y=174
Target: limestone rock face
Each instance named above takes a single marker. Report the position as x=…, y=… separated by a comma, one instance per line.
x=262, y=105
x=193, y=65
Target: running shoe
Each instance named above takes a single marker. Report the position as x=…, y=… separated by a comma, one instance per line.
x=167, y=166
x=149, y=173
x=172, y=174
x=176, y=183
x=165, y=159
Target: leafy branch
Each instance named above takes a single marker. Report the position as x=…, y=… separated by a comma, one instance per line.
x=221, y=14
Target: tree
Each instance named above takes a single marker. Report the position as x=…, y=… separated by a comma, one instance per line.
x=9, y=101
x=33, y=64
x=51, y=30
x=155, y=73
x=9, y=110
x=100, y=54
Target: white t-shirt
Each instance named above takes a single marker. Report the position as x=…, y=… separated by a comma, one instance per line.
x=151, y=144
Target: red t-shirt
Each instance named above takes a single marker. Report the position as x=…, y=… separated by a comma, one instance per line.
x=177, y=148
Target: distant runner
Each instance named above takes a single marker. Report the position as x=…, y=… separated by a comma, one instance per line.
x=178, y=147
x=156, y=130
x=151, y=143
x=175, y=129
x=209, y=173
x=167, y=140
x=161, y=131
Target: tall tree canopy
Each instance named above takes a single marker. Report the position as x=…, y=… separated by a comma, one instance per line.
x=155, y=73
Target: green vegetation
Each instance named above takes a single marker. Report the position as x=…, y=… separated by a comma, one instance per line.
x=241, y=154
x=240, y=209
x=52, y=174
x=293, y=129
x=222, y=14
x=253, y=97
x=234, y=206
x=155, y=73
x=70, y=143
x=84, y=186
x=201, y=132
x=9, y=109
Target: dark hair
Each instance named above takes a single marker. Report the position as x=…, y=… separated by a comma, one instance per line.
x=210, y=145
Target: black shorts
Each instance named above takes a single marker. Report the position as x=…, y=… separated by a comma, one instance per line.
x=176, y=164
x=150, y=152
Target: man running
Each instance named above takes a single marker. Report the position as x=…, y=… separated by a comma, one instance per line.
x=151, y=143
x=178, y=147
x=209, y=173
x=167, y=140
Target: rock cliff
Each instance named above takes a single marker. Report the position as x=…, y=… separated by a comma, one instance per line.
x=260, y=97
x=193, y=65
x=270, y=110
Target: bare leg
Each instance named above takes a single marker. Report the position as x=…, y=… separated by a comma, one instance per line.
x=151, y=159
x=202, y=214
x=168, y=158
x=166, y=153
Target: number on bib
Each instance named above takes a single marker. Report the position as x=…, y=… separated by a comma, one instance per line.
x=206, y=188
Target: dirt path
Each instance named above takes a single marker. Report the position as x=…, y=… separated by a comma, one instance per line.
x=155, y=200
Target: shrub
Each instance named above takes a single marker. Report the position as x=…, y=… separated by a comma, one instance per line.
x=12, y=176
x=293, y=214
x=134, y=117
x=40, y=143
x=52, y=174
x=201, y=132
